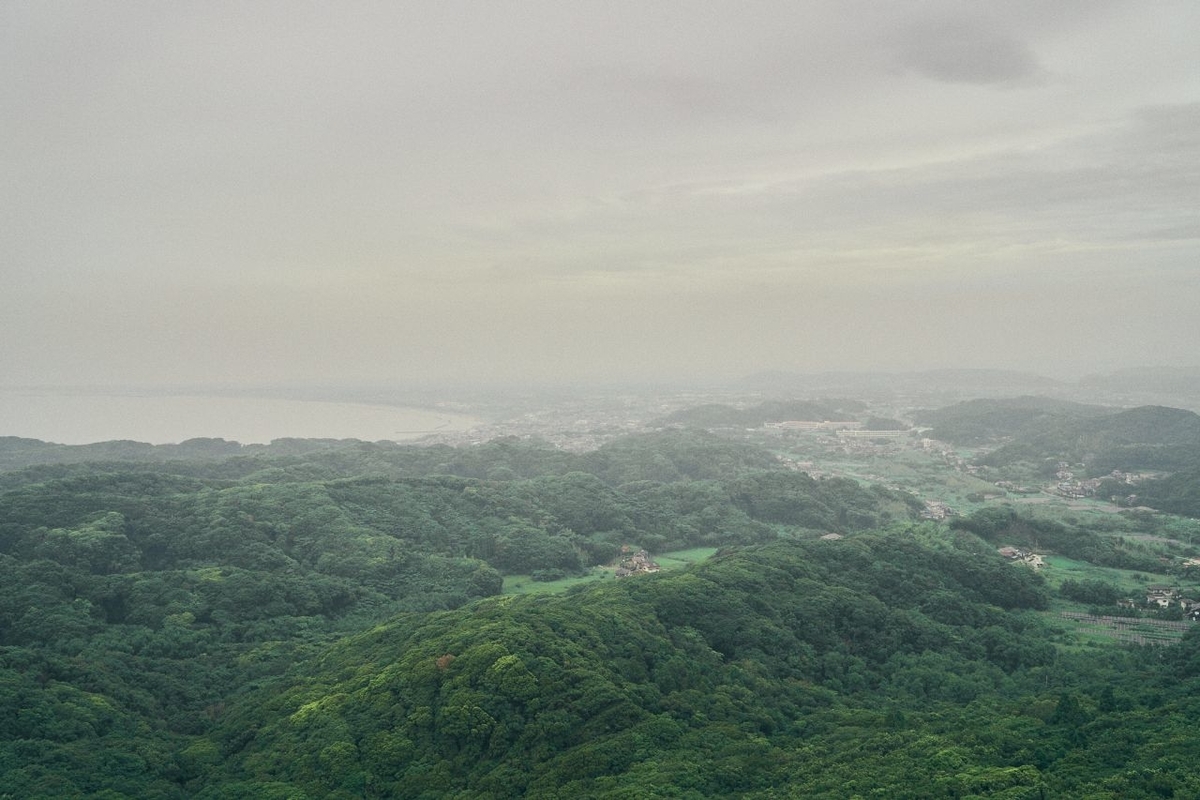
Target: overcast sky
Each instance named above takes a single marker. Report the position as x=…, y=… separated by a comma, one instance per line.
x=593, y=191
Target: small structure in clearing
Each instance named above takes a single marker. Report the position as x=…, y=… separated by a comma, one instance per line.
x=637, y=564
x=1026, y=557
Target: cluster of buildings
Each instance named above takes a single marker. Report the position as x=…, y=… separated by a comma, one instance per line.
x=638, y=563
x=869, y=434
x=807, y=425
x=845, y=429
x=950, y=457
x=1161, y=596
x=1068, y=486
x=1027, y=557
x=937, y=510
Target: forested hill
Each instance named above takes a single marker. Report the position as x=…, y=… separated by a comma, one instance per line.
x=975, y=422
x=872, y=666
x=17, y=452
x=1178, y=493
x=664, y=456
x=1147, y=437
x=137, y=599
x=417, y=523
x=326, y=625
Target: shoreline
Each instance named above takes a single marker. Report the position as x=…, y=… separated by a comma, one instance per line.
x=77, y=416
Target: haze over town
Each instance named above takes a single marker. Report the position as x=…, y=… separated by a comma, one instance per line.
x=588, y=192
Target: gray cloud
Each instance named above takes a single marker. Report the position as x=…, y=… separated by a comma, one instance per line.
x=238, y=193
x=967, y=50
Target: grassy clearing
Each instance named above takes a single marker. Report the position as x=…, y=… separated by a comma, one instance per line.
x=681, y=558
x=1060, y=568
x=925, y=473
x=1084, y=629
x=1089, y=629
x=523, y=584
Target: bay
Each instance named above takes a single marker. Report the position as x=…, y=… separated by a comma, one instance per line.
x=73, y=417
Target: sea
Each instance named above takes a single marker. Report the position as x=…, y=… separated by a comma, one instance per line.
x=83, y=417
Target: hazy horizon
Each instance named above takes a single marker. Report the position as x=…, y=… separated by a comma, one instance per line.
x=555, y=193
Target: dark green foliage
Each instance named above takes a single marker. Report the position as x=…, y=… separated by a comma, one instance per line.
x=796, y=669
x=16, y=452
x=1093, y=592
x=976, y=422
x=1175, y=494
x=159, y=591
x=321, y=623
x=1148, y=437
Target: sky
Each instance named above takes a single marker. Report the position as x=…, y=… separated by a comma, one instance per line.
x=584, y=192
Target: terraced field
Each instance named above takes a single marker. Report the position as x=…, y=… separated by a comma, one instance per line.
x=1132, y=630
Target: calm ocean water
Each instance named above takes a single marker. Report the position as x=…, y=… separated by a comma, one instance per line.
x=81, y=418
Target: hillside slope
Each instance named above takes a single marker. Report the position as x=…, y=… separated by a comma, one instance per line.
x=872, y=665
x=1147, y=437
x=975, y=422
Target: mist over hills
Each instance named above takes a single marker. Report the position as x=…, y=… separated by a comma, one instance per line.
x=1179, y=386
x=867, y=384
x=718, y=415
x=539, y=242
x=973, y=422
x=1165, y=380
x=333, y=618
x=336, y=618
x=19, y=452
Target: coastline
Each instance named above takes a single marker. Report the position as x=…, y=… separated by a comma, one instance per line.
x=78, y=415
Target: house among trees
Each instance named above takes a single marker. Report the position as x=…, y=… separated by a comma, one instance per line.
x=1026, y=557
x=1160, y=595
x=637, y=564
x=937, y=510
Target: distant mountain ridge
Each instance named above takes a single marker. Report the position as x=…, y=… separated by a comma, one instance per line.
x=18, y=452
x=960, y=382
x=1167, y=380
x=1142, y=385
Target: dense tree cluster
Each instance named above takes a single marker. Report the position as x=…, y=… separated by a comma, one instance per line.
x=1091, y=591
x=872, y=666
x=1176, y=494
x=323, y=622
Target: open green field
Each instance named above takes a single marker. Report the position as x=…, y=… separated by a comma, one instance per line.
x=899, y=465
x=1060, y=568
x=523, y=584
x=931, y=476
x=1084, y=628
x=1088, y=629
x=681, y=558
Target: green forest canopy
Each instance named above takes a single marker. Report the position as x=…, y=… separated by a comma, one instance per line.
x=323, y=623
